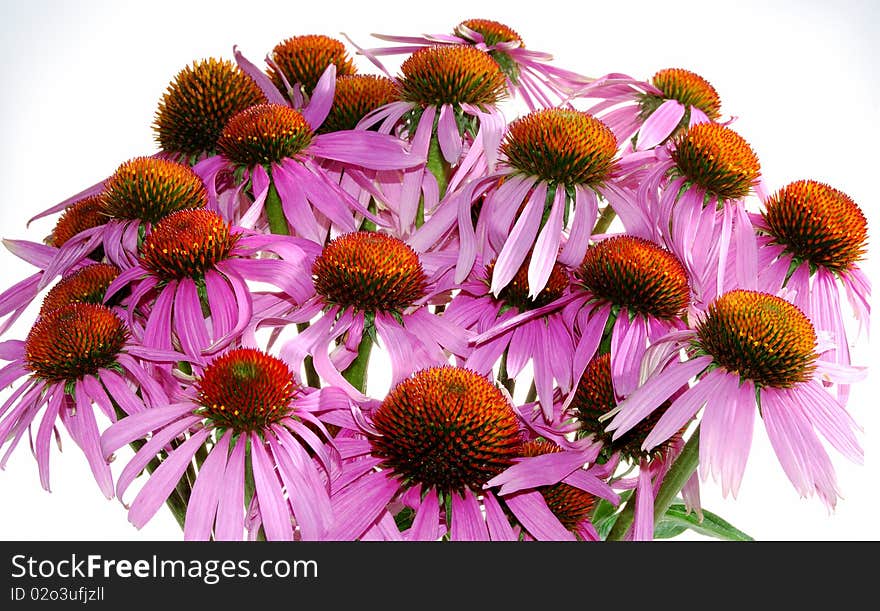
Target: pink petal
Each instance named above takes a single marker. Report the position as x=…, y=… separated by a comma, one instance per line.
x=202, y=506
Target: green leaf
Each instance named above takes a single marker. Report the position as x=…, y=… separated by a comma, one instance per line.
x=606, y=513
x=667, y=529
x=712, y=525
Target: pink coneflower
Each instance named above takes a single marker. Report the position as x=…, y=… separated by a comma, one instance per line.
x=193, y=270
x=76, y=356
x=108, y=222
x=650, y=113
x=628, y=293
x=437, y=438
x=541, y=339
x=248, y=406
x=435, y=449
x=56, y=256
x=297, y=67
x=549, y=492
x=198, y=104
x=811, y=237
x=354, y=97
x=368, y=285
x=141, y=192
x=750, y=349
x=527, y=72
x=695, y=196
x=447, y=109
x=594, y=397
x=556, y=164
x=277, y=154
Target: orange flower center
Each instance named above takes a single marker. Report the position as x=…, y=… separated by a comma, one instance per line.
x=717, y=159
x=73, y=341
x=87, y=285
x=370, y=272
x=355, y=97
x=636, y=274
x=761, y=337
x=303, y=59
x=76, y=218
x=516, y=293
x=690, y=89
x=446, y=428
x=187, y=244
x=264, y=134
x=199, y=102
x=492, y=31
x=561, y=146
x=150, y=189
x=458, y=74
x=818, y=224
x=246, y=390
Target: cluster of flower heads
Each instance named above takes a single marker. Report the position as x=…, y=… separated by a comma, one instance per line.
x=214, y=306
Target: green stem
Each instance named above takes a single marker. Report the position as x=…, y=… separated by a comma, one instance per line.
x=437, y=165
x=682, y=469
x=367, y=224
x=605, y=220
x=533, y=393
x=312, y=377
x=678, y=475
x=503, y=378
x=275, y=213
x=356, y=373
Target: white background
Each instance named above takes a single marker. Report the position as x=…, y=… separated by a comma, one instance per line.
x=81, y=81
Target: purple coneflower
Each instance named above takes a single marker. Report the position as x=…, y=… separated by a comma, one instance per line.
x=650, y=113
x=549, y=493
x=447, y=109
x=104, y=222
x=193, y=270
x=436, y=439
x=527, y=72
x=628, y=293
x=76, y=356
x=368, y=285
x=198, y=104
x=51, y=258
x=594, y=397
x=695, y=197
x=811, y=237
x=556, y=164
x=541, y=339
x=277, y=154
x=141, y=192
x=750, y=349
x=296, y=67
x=248, y=406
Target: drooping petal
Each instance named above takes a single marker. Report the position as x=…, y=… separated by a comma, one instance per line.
x=531, y=510
x=660, y=124
x=647, y=398
x=202, y=506
x=426, y=524
x=163, y=480
x=468, y=523
x=274, y=510
x=321, y=99
x=547, y=246
x=230, y=507
x=520, y=240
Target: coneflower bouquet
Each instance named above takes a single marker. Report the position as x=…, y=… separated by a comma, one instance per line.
x=470, y=295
